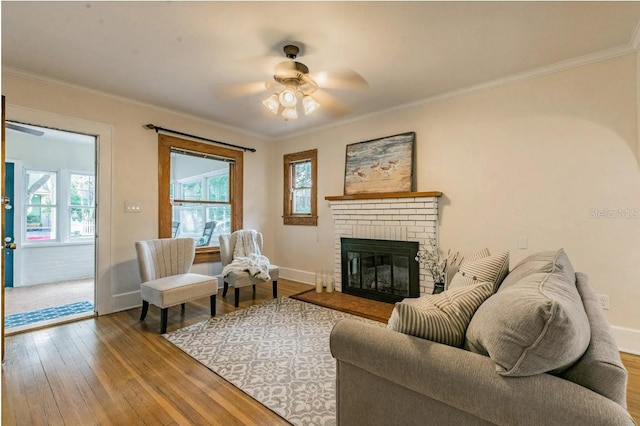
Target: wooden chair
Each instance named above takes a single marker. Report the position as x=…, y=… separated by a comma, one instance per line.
x=166, y=281
x=238, y=280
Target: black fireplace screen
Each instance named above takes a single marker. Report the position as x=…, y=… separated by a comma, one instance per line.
x=380, y=269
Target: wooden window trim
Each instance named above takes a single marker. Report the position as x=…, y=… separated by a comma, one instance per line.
x=165, y=144
x=300, y=219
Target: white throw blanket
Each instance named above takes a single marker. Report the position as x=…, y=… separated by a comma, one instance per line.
x=247, y=256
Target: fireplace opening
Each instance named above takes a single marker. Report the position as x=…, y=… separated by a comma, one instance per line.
x=381, y=270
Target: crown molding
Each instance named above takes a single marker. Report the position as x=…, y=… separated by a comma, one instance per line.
x=632, y=47
x=604, y=55
x=528, y=75
x=16, y=72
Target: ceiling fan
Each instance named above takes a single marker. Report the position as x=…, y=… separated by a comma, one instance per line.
x=292, y=81
x=23, y=129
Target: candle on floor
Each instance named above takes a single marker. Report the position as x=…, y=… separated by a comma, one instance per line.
x=318, y=282
x=329, y=283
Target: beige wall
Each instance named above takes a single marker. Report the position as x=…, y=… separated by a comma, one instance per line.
x=134, y=169
x=541, y=158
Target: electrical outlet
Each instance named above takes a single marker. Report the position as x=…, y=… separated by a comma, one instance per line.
x=522, y=242
x=604, y=300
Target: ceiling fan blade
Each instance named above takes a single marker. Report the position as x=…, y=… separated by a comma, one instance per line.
x=345, y=79
x=241, y=89
x=273, y=85
x=331, y=104
x=23, y=129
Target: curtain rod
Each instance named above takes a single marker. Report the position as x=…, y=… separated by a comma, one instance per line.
x=175, y=132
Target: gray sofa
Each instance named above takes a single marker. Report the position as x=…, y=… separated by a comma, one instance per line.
x=389, y=378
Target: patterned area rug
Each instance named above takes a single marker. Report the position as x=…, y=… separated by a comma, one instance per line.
x=276, y=352
x=15, y=320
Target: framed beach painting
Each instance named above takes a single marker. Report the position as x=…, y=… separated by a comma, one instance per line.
x=380, y=165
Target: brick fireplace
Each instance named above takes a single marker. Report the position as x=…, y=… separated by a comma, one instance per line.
x=405, y=216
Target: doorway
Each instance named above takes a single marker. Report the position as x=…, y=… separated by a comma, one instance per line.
x=50, y=275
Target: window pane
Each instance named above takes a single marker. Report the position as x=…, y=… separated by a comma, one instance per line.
x=202, y=222
x=302, y=201
x=41, y=223
x=219, y=171
x=302, y=174
x=218, y=186
x=192, y=191
x=222, y=216
x=82, y=222
x=81, y=190
x=300, y=188
x=200, y=178
x=191, y=219
x=41, y=188
x=190, y=173
x=41, y=206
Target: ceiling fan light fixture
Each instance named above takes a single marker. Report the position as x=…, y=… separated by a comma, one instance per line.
x=290, y=113
x=309, y=104
x=272, y=103
x=288, y=98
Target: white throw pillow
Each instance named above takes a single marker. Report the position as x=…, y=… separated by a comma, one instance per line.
x=443, y=317
x=482, y=267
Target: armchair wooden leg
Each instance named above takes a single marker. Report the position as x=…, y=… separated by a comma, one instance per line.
x=145, y=308
x=275, y=289
x=183, y=307
x=212, y=300
x=237, y=297
x=163, y=320
x=254, y=291
x=225, y=287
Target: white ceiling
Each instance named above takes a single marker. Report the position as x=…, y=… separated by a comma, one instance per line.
x=181, y=55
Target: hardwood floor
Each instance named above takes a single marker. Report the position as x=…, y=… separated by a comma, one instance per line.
x=117, y=370
x=632, y=363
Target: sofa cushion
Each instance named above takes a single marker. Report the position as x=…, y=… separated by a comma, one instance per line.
x=441, y=317
x=535, y=325
x=600, y=368
x=537, y=262
x=481, y=267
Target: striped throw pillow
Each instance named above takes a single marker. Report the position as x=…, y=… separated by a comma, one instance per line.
x=443, y=317
x=478, y=268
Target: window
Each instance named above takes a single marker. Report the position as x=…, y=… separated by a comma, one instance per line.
x=200, y=193
x=76, y=218
x=300, y=188
x=41, y=206
x=82, y=210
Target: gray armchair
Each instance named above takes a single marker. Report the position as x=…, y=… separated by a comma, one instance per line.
x=238, y=280
x=165, y=266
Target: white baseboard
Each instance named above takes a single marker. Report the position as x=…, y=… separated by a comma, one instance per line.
x=628, y=339
x=297, y=275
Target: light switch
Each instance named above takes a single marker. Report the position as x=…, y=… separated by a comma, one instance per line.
x=131, y=207
x=522, y=242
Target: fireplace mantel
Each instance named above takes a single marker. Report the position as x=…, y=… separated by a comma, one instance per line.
x=383, y=195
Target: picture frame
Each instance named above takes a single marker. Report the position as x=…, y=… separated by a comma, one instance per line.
x=380, y=165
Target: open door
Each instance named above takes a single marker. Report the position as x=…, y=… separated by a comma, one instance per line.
x=2, y=281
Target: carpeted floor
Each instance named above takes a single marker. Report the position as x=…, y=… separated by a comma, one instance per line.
x=276, y=352
x=35, y=297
